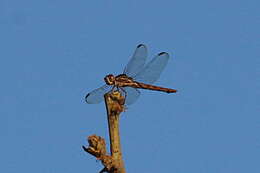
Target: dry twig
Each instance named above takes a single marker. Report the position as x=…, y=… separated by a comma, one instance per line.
x=113, y=163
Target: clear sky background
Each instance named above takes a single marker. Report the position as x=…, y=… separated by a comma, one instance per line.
x=54, y=52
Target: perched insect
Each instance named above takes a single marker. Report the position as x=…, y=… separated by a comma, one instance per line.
x=136, y=76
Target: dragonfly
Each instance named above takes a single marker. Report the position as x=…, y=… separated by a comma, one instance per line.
x=136, y=75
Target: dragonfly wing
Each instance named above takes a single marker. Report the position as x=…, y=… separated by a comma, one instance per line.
x=97, y=95
x=137, y=61
x=153, y=69
x=132, y=95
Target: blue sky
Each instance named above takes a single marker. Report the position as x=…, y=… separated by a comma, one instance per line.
x=54, y=52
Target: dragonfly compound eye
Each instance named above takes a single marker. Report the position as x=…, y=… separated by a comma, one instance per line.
x=110, y=79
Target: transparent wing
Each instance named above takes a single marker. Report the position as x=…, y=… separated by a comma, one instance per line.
x=137, y=61
x=97, y=95
x=132, y=95
x=153, y=69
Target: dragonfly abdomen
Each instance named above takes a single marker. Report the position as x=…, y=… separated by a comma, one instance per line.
x=155, y=88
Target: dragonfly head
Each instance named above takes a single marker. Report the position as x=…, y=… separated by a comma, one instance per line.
x=110, y=79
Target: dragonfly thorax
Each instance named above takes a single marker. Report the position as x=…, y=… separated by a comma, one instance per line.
x=110, y=79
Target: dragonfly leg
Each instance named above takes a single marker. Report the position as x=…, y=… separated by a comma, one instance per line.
x=113, y=88
x=124, y=92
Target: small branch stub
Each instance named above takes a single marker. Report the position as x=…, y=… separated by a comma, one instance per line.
x=97, y=146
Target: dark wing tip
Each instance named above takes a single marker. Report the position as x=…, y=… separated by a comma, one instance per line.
x=140, y=45
x=86, y=98
x=162, y=53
